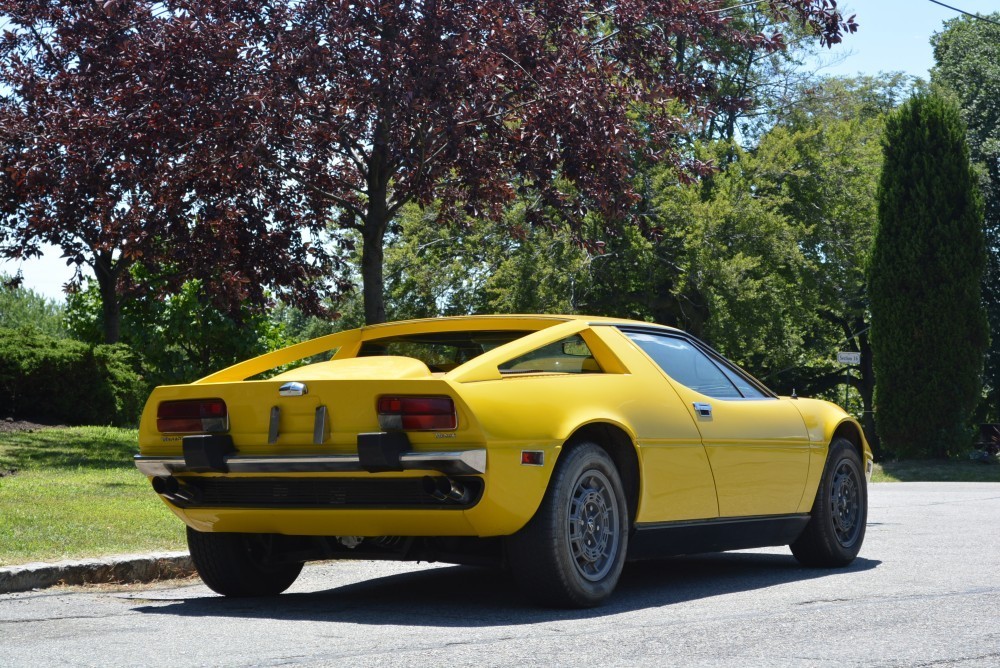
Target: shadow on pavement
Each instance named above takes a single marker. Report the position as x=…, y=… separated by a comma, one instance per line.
x=462, y=596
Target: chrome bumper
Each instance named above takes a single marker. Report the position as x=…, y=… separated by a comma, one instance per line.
x=459, y=462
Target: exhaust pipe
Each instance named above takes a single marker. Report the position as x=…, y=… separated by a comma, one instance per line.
x=165, y=485
x=443, y=488
x=188, y=494
x=173, y=490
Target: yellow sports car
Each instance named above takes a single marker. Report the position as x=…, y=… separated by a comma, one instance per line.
x=557, y=446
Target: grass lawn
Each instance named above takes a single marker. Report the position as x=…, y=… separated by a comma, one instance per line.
x=74, y=492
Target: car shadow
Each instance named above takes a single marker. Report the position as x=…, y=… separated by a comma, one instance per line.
x=463, y=596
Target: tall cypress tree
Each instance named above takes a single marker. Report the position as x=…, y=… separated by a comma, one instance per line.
x=967, y=56
x=929, y=331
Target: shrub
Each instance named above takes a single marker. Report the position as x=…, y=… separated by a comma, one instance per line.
x=61, y=380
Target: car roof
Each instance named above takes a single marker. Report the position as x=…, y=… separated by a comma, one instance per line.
x=508, y=321
x=477, y=369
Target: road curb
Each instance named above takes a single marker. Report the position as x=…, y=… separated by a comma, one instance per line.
x=113, y=569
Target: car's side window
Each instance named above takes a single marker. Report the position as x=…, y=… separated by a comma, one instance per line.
x=686, y=364
x=571, y=355
x=746, y=389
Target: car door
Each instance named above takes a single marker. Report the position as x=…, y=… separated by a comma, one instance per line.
x=757, y=444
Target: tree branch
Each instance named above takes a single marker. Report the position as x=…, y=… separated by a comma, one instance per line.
x=336, y=199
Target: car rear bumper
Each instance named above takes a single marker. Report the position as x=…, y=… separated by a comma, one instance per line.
x=335, y=495
x=460, y=462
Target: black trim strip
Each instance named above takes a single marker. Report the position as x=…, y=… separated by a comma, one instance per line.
x=664, y=539
x=321, y=493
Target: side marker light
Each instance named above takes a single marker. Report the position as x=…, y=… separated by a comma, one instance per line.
x=532, y=458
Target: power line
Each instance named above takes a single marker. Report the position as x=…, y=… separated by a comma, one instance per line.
x=962, y=11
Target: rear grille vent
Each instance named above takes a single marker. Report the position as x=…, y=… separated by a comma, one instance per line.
x=324, y=493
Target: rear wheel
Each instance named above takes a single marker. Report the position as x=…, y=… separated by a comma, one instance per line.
x=836, y=529
x=240, y=564
x=572, y=551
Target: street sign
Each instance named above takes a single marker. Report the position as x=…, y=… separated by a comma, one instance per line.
x=849, y=358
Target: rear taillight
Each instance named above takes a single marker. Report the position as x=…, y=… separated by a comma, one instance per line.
x=192, y=416
x=417, y=413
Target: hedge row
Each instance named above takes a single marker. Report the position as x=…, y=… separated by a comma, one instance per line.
x=61, y=380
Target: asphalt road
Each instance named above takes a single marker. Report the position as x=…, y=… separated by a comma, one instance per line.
x=924, y=592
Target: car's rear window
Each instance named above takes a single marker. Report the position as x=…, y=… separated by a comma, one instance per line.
x=440, y=351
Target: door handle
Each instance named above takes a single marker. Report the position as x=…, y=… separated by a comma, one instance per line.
x=702, y=409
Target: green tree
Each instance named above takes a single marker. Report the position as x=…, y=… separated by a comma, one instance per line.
x=766, y=257
x=180, y=338
x=825, y=158
x=967, y=53
x=437, y=268
x=929, y=330
x=20, y=307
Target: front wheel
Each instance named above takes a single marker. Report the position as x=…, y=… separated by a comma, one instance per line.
x=240, y=564
x=836, y=529
x=572, y=551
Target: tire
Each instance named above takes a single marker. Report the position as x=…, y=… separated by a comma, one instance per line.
x=836, y=529
x=237, y=564
x=571, y=553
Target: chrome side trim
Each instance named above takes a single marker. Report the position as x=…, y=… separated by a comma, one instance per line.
x=468, y=461
x=458, y=462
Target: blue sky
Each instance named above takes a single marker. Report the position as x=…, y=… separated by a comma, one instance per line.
x=894, y=35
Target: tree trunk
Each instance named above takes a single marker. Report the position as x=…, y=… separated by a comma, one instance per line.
x=375, y=224
x=107, y=282
x=372, y=281
x=866, y=388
